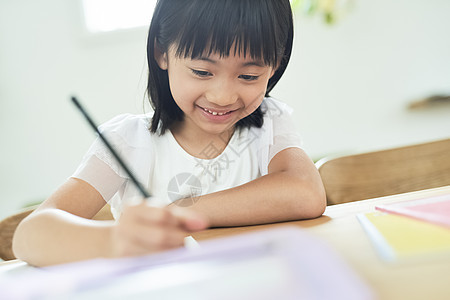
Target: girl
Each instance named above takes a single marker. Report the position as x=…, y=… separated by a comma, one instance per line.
x=216, y=142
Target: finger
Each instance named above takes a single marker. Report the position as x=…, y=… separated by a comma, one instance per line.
x=126, y=244
x=158, y=238
x=132, y=249
x=190, y=220
x=153, y=215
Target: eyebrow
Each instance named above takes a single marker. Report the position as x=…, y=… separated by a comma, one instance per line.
x=247, y=64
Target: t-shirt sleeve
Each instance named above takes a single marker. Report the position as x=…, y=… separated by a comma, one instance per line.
x=127, y=134
x=100, y=176
x=278, y=132
x=285, y=134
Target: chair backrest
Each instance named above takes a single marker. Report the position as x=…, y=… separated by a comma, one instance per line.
x=8, y=227
x=387, y=172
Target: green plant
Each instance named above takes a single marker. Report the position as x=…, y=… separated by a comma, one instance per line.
x=330, y=10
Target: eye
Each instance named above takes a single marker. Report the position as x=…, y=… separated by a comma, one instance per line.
x=201, y=73
x=249, y=77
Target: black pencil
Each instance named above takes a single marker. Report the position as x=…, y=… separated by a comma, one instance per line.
x=138, y=185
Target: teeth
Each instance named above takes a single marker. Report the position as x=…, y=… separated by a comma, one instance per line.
x=215, y=113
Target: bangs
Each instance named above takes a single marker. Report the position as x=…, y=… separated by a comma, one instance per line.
x=243, y=28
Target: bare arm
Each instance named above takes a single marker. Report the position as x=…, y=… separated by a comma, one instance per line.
x=292, y=190
x=60, y=230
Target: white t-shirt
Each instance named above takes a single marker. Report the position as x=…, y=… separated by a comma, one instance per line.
x=168, y=172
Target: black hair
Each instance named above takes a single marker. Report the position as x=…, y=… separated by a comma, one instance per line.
x=262, y=29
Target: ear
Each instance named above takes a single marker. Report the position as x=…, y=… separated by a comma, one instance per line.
x=274, y=69
x=273, y=72
x=160, y=57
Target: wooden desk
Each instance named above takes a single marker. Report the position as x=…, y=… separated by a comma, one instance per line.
x=340, y=228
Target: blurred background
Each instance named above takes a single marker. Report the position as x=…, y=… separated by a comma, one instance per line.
x=357, y=68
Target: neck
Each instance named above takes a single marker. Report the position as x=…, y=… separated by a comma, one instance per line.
x=201, y=145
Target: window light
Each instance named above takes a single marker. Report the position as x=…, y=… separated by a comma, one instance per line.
x=111, y=15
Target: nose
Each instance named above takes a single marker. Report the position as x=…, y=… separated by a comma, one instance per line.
x=222, y=93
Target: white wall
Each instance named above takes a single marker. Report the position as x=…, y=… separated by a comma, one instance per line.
x=45, y=56
x=349, y=84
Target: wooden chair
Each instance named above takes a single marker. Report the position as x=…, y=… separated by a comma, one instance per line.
x=382, y=173
x=9, y=225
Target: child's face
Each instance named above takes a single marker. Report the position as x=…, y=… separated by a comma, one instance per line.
x=215, y=92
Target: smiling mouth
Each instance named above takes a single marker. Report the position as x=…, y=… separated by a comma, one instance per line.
x=216, y=113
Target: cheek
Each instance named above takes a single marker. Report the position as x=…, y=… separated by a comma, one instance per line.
x=178, y=87
x=255, y=93
x=185, y=93
x=252, y=102
x=253, y=97
x=174, y=87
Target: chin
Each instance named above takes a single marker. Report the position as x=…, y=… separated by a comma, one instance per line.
x=217, y=129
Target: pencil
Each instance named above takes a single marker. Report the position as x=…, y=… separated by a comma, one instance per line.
x=121, y=162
